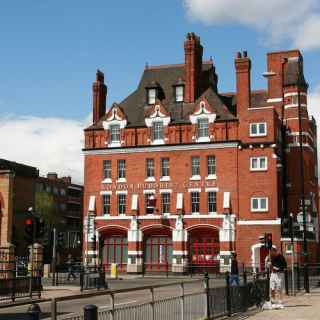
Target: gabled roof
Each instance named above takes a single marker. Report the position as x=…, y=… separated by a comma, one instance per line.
x=166, y=77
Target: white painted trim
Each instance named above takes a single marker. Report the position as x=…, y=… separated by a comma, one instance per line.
x=225, y=253
x=134, y=202
x=114, y=144
x=259, y=209
x=195, y=178
x=165, y=190
x=295, y=145
x=148, y=191
x=188, y=147
x=258, y=134
x=180, y=252
x=92, y=204
x=295, y=118
x=121, y=180
x=135, y=252
x=271, y=100
x=92, y=252
x=203, y=139
x=290, y=94
x=165, y=178
x=295, y=105
x=152, y=217
x=211, y=177
x=260, y=108
x=107, y=180
x=211, y=189
x=106, y=192
x=259, y=162
x=122, y=192
x=194, y=190
x=259, y=222
x=150, y=179
x=304, y=133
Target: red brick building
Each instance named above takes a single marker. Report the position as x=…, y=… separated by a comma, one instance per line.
x=179, y=174
x=21, y=187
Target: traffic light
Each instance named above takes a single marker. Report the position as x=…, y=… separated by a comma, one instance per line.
x=28, y=230
x=40, y=227
x=268, y=240
x=60, y=239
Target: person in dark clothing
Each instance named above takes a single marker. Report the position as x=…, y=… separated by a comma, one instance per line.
x=70, y=263
x=234, y=275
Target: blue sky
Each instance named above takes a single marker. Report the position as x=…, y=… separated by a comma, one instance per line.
x=50, y=50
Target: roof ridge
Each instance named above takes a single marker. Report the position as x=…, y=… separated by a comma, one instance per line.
x=164, y=66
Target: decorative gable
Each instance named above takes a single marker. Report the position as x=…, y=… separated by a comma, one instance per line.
x=155, y=113
x=203, y=110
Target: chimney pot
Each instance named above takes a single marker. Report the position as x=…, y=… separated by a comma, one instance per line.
x=238, y=56
x=245, y=54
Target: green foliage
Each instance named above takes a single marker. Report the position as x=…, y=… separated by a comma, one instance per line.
x=45, y=209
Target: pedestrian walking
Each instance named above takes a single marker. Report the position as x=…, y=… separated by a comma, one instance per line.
x=234, y=275
x=70, y=263
x=278, y=265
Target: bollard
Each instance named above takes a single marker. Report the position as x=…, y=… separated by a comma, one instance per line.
x=90, y=312
x=286, y=281
x=306, y=278
x=34, y=312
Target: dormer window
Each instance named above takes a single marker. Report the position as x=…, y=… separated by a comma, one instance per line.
x=203, y=128
x=115, y=133
x=157, y=130
x=152, y=94
x=179, y=91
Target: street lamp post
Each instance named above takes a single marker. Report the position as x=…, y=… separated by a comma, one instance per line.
x=292, y=252
x=302, y=197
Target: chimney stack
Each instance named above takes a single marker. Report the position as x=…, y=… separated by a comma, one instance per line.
x=193, y=51
x=99, y=90
x=243, y=69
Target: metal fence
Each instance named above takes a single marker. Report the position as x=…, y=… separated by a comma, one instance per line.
x=15, y=279
x=203, y=302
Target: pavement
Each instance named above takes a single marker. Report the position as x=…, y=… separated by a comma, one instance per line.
x=300, y=307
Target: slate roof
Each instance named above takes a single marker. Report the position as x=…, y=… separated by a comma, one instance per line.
x=19, y=168
x=166, y=77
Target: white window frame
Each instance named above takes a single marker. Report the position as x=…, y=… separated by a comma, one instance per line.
x=201, y=120
x=259, y=160
x=258, y=134
x=165, y=168
x=157, y=135
x=152, y=98
x=179, y=93
x=192, y=196
x=115, y=125
x=259, y=209
x=163, y=195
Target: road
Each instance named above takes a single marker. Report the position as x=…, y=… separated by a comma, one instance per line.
x=136, y=297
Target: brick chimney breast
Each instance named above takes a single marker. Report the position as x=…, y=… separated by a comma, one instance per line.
x=99, y=91
x=243, y=69
x=193, y=51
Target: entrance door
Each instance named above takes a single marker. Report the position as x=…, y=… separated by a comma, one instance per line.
x=203, y=252
x=115, y=250
x=158, y=253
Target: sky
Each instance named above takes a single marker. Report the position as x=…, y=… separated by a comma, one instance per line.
x=50, y=51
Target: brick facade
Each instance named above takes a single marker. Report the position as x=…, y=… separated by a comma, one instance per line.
x=252, y=137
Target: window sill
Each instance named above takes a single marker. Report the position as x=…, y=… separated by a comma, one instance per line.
x=259, y=210
x=107, y=180
x=114, y=144
x=150, y=179
x=258, y=135
x=211, y=177
x=203, y=139
x=212, y=213
x=195, y=213
x=195, y=178
x=165, y=178
x=257, y=170
x=121, y=180
x=155, y=142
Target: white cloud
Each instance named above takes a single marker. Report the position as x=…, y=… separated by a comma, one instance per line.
x=50, y=144
x=314, y=110
x=296, y=21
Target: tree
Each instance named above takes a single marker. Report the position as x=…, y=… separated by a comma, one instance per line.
x=45, y=209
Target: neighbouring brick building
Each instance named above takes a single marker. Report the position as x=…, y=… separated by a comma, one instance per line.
x=22, y=188
x=179, y=175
